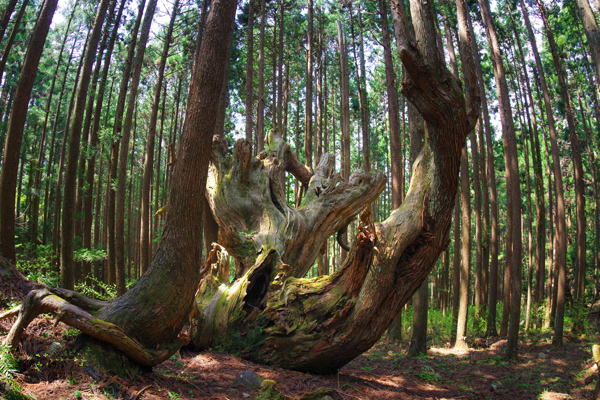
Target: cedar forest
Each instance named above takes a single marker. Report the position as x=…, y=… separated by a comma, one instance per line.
x=301, y=184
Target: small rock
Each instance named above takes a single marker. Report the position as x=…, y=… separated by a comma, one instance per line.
x=248, y=378
x=326, y=398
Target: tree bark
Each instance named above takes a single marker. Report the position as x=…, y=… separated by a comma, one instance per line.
x=260, y=112
x=313, y=325
x=124, y=150
x=149, y=159
x=165, y=293
x=513, y=202
x=308, y=117
x=579, y=192
x=396, y=167
x=16, y=126
x=249, y=71
x=590, y=26
x=66, y=237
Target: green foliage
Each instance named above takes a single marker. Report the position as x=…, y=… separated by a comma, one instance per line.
x=40, y=270
x=97, y=289
x=89, y=255
x=8, y=363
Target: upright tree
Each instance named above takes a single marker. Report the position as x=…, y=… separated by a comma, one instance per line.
x=16, y=126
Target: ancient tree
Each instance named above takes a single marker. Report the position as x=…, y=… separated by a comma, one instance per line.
x=145, y=322
x=270, y=313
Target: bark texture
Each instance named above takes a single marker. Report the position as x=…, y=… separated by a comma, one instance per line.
x=272, y=315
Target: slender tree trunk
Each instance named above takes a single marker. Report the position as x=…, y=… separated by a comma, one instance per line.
x=513, y=204
x=10, y=7
x=393, y=111
x=114, y=151
x=149, y=159
x=93, y=139
x=260, y=112
x=590, y=26
x=124, y=150
x=66, y=253
x=344, y=112
x=11, y=40
x=56, y=231
x=561, y=235
x=308, y=117
x=16, y=126
x=42, y=147
x=465, y=253
x=280, y=125
x=250, y=72
x=51, y=164
x=579, y=193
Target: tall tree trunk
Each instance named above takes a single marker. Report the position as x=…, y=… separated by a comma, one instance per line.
x=260, y=112
x=344, y=113
x=249, y=71
x=579, y=191
x=513, y=203
x=393, y=111
x=10, y=7
x=590, y=26
x=93, y=137
x=11, y=39
x=124, y=150
x=465, y=253
x=16, y=126
x=114, y=151
x=66, y=236
x=56, y=231
x=149, y=159
x=51, y=165
x=361, y=81
x=308, y=117
x=561, y=233
x=42, y=147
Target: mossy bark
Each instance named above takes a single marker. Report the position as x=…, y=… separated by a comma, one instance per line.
x=270, y=313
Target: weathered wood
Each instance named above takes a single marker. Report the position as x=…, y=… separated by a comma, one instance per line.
x=270, y=313
x=44, y=301
x=247, y=196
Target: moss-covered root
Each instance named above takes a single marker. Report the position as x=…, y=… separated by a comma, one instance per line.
x=43, y=301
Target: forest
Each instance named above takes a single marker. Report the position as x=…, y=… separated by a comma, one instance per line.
x=361, y=199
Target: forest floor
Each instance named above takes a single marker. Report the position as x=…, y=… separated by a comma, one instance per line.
x=47, y=369
x=541, y=372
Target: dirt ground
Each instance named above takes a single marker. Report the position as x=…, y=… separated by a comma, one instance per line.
x=48, y=369
x=542, y=372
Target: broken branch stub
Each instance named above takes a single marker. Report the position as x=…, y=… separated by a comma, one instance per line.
x=248, y=199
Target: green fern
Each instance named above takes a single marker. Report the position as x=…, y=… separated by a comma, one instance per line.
x=8, y=363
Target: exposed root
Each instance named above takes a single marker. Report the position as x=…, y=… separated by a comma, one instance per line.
x=10, y=313
x=48, y=301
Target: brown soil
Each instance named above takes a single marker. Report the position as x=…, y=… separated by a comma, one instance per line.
x=542, y=371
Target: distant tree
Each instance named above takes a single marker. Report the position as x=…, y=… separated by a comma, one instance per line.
x=16, y=125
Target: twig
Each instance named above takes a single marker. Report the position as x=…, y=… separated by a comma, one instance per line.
x=141, y=391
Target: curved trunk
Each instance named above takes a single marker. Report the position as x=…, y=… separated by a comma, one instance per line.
x=270, y=313
x=144, y=323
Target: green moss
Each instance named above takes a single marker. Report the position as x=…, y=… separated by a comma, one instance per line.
x=317, y=394
x=268, y=391
x=111, y=360
x=234, y=342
